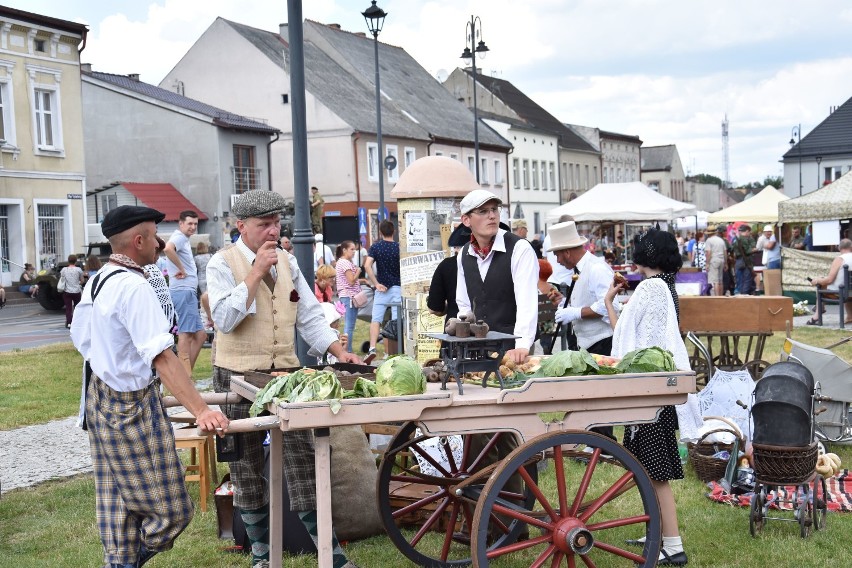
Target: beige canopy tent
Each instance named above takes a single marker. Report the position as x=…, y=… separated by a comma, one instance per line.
x=761, y=208
x=833, y=201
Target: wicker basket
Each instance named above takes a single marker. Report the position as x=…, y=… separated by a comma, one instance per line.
x=784, y=465
x=706, y=467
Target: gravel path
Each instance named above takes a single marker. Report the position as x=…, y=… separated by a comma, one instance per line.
x=33, y=454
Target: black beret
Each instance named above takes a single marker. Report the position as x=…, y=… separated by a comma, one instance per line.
x=126, y=216
x=460, y=236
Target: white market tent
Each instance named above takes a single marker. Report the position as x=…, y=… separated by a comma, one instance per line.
x=833, y=201
x=761, y=208
x=689, y=223
x=632, y=201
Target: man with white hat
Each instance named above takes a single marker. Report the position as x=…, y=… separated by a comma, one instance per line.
x=769, y=245
x=497, y=273
x=519, y=227
x=586, y=309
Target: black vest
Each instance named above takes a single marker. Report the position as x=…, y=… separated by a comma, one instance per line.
x=494, y=299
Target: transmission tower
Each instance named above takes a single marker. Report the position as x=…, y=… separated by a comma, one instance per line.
x=725, y=157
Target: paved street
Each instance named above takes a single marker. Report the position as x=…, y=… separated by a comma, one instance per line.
x=30, y=325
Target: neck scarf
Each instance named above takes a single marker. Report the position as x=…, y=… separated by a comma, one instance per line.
x=127, y=262
x=484, y=251
x=669, y=279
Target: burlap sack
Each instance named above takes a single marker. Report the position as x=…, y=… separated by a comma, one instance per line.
x=353, y=485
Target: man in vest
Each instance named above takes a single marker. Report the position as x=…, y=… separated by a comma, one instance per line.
x=498, y=274
x=586, y=310
x=258, y=296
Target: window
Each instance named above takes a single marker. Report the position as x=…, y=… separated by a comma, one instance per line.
x=564, y=176
x=498, y=172
x=46, y=107
x=552, y=175
x=39, y=45
x=410, y=156
x=393, y=175
x=454, y=156
x=526, y=174
x=439, y=153
x=483, y=171
x=588, y=180
x=516, y=173
x=246, y=176
x=535, y=174
x=108, y=203
x=51, y=234
x=537, y=222
x=471, y=165
x=4, y=238
x=372, y=162
x=7, y=111
x=595, y=180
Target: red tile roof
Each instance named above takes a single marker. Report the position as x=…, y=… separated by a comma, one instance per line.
x=164, y=197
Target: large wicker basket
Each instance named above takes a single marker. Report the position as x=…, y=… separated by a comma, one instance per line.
x=701, y=453
x=784, y=465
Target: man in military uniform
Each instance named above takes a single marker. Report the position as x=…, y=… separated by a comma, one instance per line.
x=317, y=204
x=743, y=247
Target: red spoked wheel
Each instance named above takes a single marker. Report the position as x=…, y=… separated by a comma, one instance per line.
x=594, y=502
x=429, y=514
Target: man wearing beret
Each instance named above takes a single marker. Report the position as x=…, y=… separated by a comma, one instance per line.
x=258, y=296
x=119, y=328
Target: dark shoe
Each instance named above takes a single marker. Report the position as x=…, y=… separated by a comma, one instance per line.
x=811, y=322
x=371, y=354
x=677, y=559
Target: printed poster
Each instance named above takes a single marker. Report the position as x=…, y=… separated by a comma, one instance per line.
x=416, y=232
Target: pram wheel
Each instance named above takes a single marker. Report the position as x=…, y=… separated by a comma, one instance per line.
x=805, y=510
x=756, y=510
x=820, y=503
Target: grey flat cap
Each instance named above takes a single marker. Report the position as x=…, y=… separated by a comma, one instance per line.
x=258, y=203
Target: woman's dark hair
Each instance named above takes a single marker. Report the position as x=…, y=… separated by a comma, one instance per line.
x=72, y=259
x=657, y=249
x=338, y=252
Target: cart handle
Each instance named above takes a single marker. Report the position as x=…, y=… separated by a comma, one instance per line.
x=258, y=424
x=209, y=398
x=701, y=347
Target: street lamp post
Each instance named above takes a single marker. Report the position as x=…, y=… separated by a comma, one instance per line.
x=473, y=30
x=375, y=18
x=818, y=160
x=796, y=138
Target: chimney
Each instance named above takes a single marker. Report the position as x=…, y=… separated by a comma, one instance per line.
x=361, y=34
x=133, y=76
x=334, y=26
x=86, y=67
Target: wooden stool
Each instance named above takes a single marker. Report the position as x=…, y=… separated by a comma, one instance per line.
x=202, y=461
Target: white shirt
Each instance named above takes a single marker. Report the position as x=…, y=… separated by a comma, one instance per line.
x=589, y=291
x=228, y=301
x=525, y=276
x=122, y=333
x=561, y=275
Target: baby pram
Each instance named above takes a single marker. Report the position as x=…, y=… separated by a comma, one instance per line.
x=784, y=450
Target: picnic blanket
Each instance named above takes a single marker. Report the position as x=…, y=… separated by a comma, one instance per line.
x=839, y=493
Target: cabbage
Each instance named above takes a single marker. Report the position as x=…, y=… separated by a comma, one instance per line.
x=363, y=388
x=400, y=375
x=300, y=386
x=647, y=360
x=568, y=363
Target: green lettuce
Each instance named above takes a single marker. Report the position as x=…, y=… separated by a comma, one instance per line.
x=647, y=360
x=567, y=364
x=363, y=388
x=304, y=385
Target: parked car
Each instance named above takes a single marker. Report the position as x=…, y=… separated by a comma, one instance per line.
x=48, y=278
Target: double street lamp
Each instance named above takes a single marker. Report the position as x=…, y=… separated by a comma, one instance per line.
x=375, y=18
x=796, y=138
x=473, y=30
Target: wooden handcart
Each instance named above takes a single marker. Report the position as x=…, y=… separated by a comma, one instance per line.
x=475, y=507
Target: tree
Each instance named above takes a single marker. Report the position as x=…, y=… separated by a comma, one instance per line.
x=775, y=181
x=707, y=178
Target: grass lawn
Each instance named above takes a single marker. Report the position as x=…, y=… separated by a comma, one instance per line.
x=53, y=524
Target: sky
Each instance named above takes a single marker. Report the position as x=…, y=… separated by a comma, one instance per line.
x=668, y=71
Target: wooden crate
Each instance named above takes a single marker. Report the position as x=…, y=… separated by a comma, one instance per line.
x=752, y=314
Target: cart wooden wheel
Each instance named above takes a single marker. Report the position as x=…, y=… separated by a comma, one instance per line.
x=820, y=503
x=804, y=510
x=429, y=517
x=755, y=516
x=595, y=504
x=755, y=367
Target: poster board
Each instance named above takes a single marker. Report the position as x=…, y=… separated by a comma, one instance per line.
x=826, y=233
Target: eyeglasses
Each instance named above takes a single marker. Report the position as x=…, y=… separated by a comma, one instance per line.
x=486, y=211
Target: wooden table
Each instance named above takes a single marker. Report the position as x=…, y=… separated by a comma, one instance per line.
x=586, y=401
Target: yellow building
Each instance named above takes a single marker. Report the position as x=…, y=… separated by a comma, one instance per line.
x=42, y=173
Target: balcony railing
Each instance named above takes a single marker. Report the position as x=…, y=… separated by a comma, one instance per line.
x=246, y=179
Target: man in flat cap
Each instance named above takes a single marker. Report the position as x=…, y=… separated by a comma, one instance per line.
x=120, y=330
x=258, y=296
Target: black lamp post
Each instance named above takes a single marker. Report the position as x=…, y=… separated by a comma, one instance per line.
x=818, y=160
x=796, y=138
x=375, y=18
x=473, y=30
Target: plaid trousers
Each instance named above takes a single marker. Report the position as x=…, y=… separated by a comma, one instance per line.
x=140, y=491
x=252, y=489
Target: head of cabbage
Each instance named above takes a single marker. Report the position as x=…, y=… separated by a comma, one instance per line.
x=400, y=375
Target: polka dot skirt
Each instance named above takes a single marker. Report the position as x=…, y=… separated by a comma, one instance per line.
x=655, y=446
